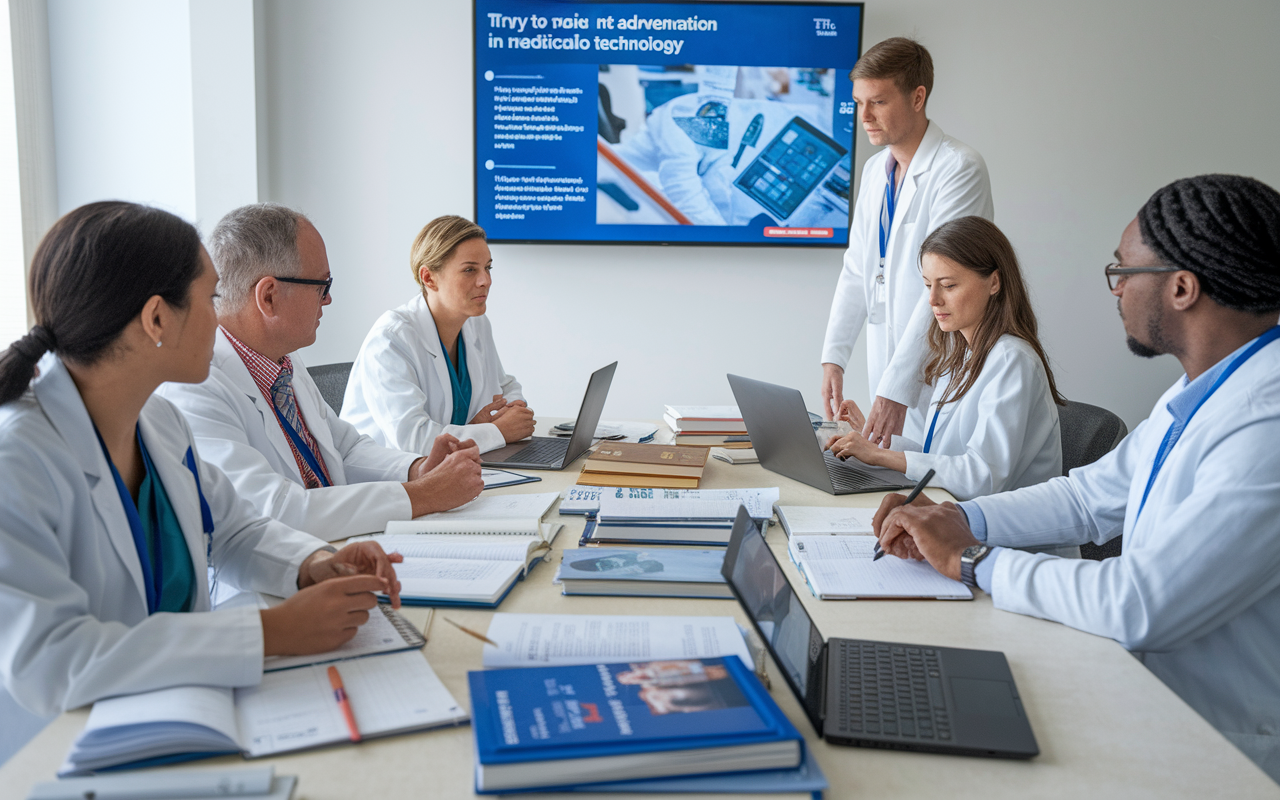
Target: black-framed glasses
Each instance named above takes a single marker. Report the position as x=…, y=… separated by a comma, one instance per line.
x=310, y=282
x=1116, y=273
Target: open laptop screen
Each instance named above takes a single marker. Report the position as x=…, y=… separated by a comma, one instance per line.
x=777, y=613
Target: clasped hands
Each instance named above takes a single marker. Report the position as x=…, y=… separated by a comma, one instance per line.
x=925, y=531
x=513, y=417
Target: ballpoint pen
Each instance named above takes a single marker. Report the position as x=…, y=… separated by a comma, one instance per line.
x=919, y=487
x=340, y=694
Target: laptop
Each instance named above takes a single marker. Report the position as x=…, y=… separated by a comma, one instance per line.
x=785, y=443
x=877, y=694
x=545, y=452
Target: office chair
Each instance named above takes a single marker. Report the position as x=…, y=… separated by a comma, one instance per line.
x=1088, y=434
x=331, y=380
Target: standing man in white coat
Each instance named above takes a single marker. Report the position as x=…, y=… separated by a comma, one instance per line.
x=1195, y=489
x=921, y=179
x=261, y=419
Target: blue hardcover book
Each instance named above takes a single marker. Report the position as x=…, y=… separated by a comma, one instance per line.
x=643, y=572
x=542, y=728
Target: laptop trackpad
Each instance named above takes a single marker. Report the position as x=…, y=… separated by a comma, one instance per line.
x=987, y=698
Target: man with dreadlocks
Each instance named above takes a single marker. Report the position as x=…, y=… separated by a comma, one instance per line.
x=1195, y=489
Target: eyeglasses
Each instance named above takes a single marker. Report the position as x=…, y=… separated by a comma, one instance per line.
x=324, y=293
x=1115, y=271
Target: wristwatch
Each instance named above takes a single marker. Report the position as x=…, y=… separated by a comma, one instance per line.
x=969, y=564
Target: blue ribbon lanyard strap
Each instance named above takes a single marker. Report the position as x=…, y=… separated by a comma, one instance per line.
x=149, y=558
x=1174, y=433
x=886, y=212
x=307, y=454
x=929, y=439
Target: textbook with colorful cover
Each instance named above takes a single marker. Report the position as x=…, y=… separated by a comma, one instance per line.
x=561, y=726
x=648, y=572
x=289, y=710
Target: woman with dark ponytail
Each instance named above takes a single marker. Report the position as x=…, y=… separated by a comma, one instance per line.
x=993, y=421
x=109, y=520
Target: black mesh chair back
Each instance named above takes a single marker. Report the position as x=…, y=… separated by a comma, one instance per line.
x=331, y=380
x=1088, y=434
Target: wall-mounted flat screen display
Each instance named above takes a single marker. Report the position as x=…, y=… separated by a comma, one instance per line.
x=665, y=122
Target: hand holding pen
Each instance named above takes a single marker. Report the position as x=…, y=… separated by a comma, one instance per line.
x=890, y=503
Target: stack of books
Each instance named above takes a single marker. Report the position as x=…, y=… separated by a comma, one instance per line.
x=655, y=520
x=707, y=426
x=562, y=727
x=645, y=466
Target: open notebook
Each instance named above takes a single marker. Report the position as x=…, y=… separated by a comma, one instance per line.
x=503, y=515
x=841, y=568
x=470, y=570
x=290, y=710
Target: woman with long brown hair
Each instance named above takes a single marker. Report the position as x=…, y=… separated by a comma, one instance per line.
x=993, y=422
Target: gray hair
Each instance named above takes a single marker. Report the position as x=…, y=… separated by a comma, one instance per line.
x=249, y=244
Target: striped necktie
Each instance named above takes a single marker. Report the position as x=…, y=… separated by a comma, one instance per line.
x=284, y=398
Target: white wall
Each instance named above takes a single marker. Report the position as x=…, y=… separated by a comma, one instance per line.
x=1081, y=110
x=122, y=103
x=154, y=102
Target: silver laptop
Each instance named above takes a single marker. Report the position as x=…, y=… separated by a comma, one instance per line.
x=785, y=443
x=877, y=694
x=545, y=452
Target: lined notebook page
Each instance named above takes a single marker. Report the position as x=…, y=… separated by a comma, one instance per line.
x=500, y=514
x=295, y=709
x=802, y=520
x=456, y=579
x=889, y=577
x=476, y=548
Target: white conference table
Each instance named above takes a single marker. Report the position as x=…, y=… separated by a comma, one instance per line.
x=1105, y=725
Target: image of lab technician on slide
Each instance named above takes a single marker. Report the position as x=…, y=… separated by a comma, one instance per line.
x=720, y=145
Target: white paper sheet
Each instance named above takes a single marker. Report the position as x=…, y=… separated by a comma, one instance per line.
x=500, y=514
x=529, y=640
x=825, y=520
x=688, y=503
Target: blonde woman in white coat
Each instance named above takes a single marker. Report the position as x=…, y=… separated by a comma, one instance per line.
x=993, y=420
x=109, y=520
x=431, y=366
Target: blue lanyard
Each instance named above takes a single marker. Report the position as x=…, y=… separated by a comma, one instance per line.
x=887, y=208
x=308, y=455
x=206, y=516
x=929, y=439
x=1174, y=433
x=151, y=559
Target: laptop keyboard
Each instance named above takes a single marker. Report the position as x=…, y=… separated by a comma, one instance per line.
x=542, y=451
x=891, y=690
x=845, y=477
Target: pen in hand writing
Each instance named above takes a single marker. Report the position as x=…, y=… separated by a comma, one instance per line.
x=915, y=492
x=470, y=632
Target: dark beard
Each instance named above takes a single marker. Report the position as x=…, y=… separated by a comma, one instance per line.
x=1139, y=349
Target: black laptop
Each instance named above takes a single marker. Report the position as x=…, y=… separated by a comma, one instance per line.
x=545, y=452
x=877, y=694
x=785, y=443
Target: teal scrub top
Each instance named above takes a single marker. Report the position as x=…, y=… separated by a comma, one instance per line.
x=459, y=381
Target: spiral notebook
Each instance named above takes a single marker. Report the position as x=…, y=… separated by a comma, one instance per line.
x=387, y=632
x=508, y=514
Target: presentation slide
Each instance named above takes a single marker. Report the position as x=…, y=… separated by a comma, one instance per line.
x=665, y=122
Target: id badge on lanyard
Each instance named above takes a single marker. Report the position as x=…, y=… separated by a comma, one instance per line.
x=876, y=313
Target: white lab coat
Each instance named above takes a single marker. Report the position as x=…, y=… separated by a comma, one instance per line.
x=71, y=589
x=945, y=180
x=399, y=392
x=238, y=431
x=1196, y=593
x=1002, y=435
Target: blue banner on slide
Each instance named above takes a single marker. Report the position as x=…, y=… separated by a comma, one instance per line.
x=664, y=122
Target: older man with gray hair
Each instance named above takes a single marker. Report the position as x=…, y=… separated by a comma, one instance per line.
x=261, y=419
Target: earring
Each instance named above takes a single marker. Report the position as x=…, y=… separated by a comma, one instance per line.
x=157, y=344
